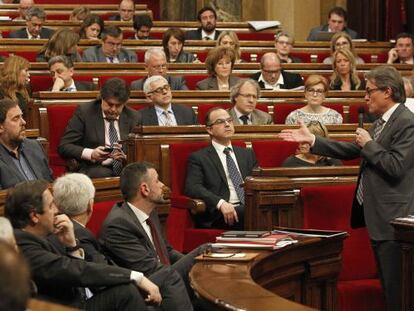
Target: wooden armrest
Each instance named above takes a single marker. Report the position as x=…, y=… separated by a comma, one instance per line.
x=196, y=206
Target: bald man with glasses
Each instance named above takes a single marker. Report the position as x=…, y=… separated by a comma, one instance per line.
x=161, y=111
x=273, y=77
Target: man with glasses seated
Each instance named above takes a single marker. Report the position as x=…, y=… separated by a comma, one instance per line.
x=283, y=45
x=111, y=50
x=156, y=64
x=93, y=134
x=216, y=174
x=273, y=77
x=244, y=96
x=162, y=111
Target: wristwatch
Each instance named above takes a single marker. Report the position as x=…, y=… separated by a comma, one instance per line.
x=71, y=249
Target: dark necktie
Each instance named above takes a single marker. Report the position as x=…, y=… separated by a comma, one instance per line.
x=244, y=119
x=234, y=173
x=207, y=38
x=113, y=139
x=378, y=126
x=157, y=244
x=111, y=59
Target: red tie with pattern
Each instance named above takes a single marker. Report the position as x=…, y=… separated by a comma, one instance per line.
x=156, y=239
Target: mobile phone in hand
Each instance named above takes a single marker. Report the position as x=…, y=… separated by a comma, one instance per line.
x=108, y=149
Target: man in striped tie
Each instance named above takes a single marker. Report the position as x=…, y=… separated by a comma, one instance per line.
x=93, y=134
x=216, y=174
x=385, y=184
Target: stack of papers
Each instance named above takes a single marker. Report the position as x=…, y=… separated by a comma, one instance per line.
x=266, y=241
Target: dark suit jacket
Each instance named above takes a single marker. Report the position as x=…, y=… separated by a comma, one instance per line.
x=84, y=86
x=314, y=31
x=58, y=276
x=35, y=155
x=388, y=167
x=176, y=83
x=185, y=57
x=183, y=115
x=196, y=34
x=206, y=179
x=86, y=129
x=291, y=80
x=258, y=117
x=95, y=54
x=211, y=83
x=45, y=33
x=126, y=242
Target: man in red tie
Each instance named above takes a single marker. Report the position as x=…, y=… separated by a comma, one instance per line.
x=132, y=234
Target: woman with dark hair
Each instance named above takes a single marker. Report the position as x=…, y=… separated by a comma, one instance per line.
x=14, y=79
x=345, y=76
x=91, y=27
x=304, y=157
x=173, y=43
x=63, y=42
x=220, y=62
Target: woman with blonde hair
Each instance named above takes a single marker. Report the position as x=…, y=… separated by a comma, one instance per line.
x=345, y=76
x=63, y=42
x=220, y=62
x=229, y=39
x=304, y=157
x=316, y=88
x=14, y=80
x=339, y=41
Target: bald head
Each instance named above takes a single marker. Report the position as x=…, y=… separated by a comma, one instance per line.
x=270, y=65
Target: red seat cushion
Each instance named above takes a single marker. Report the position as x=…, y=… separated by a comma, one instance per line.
x=281, y=111
x=353, y=111
x=273, y=153
x=203, y=109
x=100, y=211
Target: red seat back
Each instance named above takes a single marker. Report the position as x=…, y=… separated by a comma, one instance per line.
x=273, y=153
x=329, y=208
x=203, y=109
x=100, y=211
x=353, y=111
x=281, y=111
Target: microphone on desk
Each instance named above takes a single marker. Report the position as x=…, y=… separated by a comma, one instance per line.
x=361, y=112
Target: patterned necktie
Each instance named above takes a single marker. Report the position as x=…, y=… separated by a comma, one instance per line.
x=234, y=173
x=244, y=119
x=113, y=139
x=70, y=89
x=378, y=127
x=157, y=244
x=111, y=59
x=167, y=118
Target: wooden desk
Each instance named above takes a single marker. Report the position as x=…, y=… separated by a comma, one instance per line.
x=404, y=231
x=305, y=273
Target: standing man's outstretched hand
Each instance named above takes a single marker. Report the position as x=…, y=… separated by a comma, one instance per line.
x=300, y=135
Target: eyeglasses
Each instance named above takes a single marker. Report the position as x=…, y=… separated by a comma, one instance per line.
x=221, y=121
x=161, y=89
x=248, y=95
x=316, y=92
x=370, y=91
x=114, y=45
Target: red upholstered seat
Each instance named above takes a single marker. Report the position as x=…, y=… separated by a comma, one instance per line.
x=353, y=112
x=127, y=78
x=192, y=80
x=329, y=208
x=180, y=228
x=58, y=118
x=41, y=83
x=100, y=211
x=281, y=111
x=273, y=153
x=203, y=109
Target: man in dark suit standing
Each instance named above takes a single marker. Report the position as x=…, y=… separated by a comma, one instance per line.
x=273, y=77
x=126, y=11
x=111, y=50
x=337, y=19
x=244, y=96
x=74, y=196
x=132, y=233
x=162, y=111
x=215, y=174
x=21, y=159
x=93, y=132
x=62, y=70
x=385, y=184
x=63, y=276
x=35, y=17
x=156, y=64
x=207, y=17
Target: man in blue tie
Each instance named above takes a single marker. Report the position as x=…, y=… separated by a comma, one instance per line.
x=93, y=133
x=216, y=173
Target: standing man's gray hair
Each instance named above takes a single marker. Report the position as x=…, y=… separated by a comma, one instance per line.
x=153, y=51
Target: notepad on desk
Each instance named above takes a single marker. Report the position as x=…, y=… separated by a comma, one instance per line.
x=245, y=234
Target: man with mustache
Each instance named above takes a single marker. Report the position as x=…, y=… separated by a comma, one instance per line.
x=21, y=159
x=207, y=17
x=93, y=134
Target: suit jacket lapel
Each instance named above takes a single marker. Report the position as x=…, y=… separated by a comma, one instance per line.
x=390, y=122
x=4, y=157
x=178, y=116
x=152, y=116
x=123, y=125
x=233, y=114
x=241, y=161
x=101, y=55
x=212, y=84
x=217, y=163
x=99, y=123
